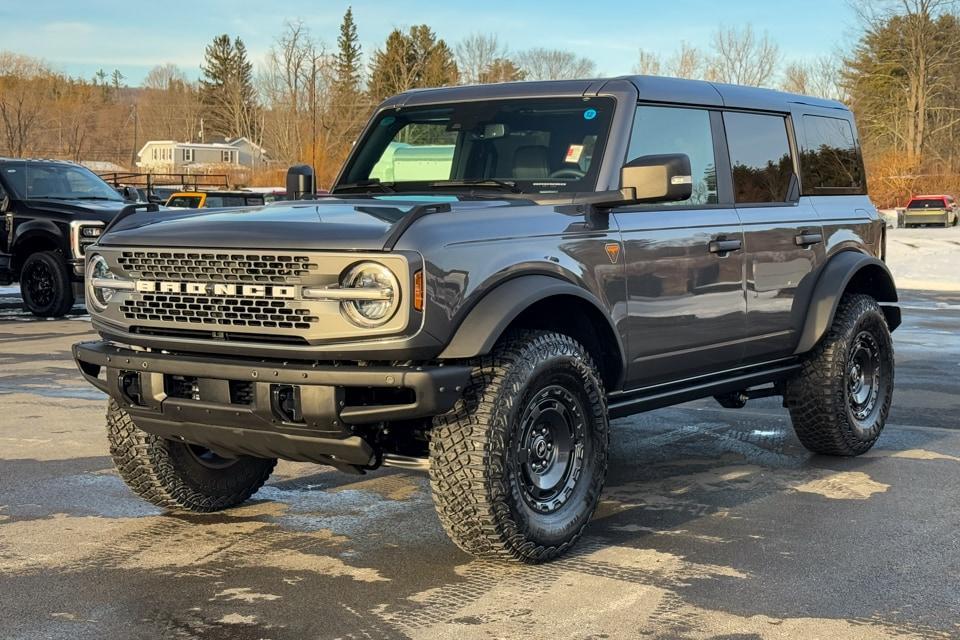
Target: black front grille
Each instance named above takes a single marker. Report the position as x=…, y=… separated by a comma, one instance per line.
x=227, y=311
x=216, y=266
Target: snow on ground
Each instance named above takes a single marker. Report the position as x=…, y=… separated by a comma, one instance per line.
x=927, y=258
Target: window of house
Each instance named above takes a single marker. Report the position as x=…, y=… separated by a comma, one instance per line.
x=188, y=155
x=759, y=156
x=830, y=160
x=670, y=130
x=154, y=153
x=226, y=156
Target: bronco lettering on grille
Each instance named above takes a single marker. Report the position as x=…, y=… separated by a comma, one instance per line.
x=218, y=289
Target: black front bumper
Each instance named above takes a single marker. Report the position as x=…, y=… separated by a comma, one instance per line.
x=230, y=404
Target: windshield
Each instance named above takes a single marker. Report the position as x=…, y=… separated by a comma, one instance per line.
x=926, y=203
x=533, y=146
x=50, y=181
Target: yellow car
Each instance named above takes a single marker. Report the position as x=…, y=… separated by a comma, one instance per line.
x=214, y=199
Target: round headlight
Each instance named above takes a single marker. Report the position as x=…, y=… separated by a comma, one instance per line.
x=378, y=294
x=98, y=270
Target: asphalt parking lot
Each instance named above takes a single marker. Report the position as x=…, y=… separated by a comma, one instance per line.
x=714, y=524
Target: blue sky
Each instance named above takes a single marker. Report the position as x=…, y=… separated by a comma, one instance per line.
x=80, y=37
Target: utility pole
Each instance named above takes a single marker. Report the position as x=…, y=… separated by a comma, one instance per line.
x=136, y=125
x=313, y=114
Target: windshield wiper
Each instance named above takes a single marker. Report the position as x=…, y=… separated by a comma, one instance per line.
x=365, y=185
x=483, y=183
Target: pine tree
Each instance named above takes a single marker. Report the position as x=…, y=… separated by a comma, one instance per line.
x=412, y=60
x=347, y=59
x=227, y=90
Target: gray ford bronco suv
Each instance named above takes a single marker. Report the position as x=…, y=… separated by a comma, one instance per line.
x=498, y=272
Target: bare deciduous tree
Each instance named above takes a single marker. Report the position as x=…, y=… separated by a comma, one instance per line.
x=687, y=62
x=912, y=57
x=742, y=57
x=24, y=93
x=169, y=105
x=476, y=54
x=820, y=77
x=555, y=64
x=648, y=64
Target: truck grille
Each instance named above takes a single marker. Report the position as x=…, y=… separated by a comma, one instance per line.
x=216, y=266
x=225, y=311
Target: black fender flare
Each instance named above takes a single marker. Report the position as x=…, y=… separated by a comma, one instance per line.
x=492, y=314
x=873, y=277
x=45, y=230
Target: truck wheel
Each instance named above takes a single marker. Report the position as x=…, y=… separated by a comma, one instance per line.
x=176, y=475
x=840, y=401
x=45, y=285
x=518, y=466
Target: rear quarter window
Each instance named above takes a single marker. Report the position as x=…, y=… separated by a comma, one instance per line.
x=830, y=160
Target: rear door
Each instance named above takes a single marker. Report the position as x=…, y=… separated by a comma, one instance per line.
x=684, y=261
x=783, y=235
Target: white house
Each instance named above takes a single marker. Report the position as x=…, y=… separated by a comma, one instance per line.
x=172, y=156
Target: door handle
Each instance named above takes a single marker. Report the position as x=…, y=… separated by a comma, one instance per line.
x=723, y=246
x=808, y=239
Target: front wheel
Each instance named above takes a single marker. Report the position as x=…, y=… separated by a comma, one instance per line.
x=45, y=285
x=517, y=468
x=177, y=475
x=840, y=401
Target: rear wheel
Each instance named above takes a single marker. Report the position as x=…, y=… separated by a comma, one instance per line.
x=45, y=285
x=518, y=467
x=840, y=401
x=177, y=475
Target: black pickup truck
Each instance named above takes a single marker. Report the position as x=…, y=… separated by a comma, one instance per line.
x=499, y=271
x=50, y=211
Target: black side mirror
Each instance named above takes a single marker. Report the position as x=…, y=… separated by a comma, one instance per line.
x=130, y=194
x=661, y=178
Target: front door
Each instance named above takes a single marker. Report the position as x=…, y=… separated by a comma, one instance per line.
x=684, y=262
x=784, y=237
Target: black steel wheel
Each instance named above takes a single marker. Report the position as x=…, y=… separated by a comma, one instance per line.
x=518, y=466
x=548, y=454
x=840, y=401
x=45, y=285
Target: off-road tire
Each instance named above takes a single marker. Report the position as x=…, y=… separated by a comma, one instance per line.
x=61, y=295
x=477, y=478
x=167, y=474
x=820, y=398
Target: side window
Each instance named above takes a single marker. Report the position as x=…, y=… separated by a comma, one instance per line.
x=664, y=130
x=759, y=157
x=830, y=160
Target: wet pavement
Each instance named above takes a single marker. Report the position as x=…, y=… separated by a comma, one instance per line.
x=714, y=524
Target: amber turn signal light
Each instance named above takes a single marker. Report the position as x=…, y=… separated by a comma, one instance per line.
x=418, y=291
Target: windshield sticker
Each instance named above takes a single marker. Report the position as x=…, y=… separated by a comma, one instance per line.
x=573, y=153
x=386, y=122
x=589, y=114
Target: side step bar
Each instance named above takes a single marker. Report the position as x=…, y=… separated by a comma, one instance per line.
x=627, y=403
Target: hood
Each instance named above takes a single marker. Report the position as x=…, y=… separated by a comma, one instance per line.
x=330, y=224
x=102, y=210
